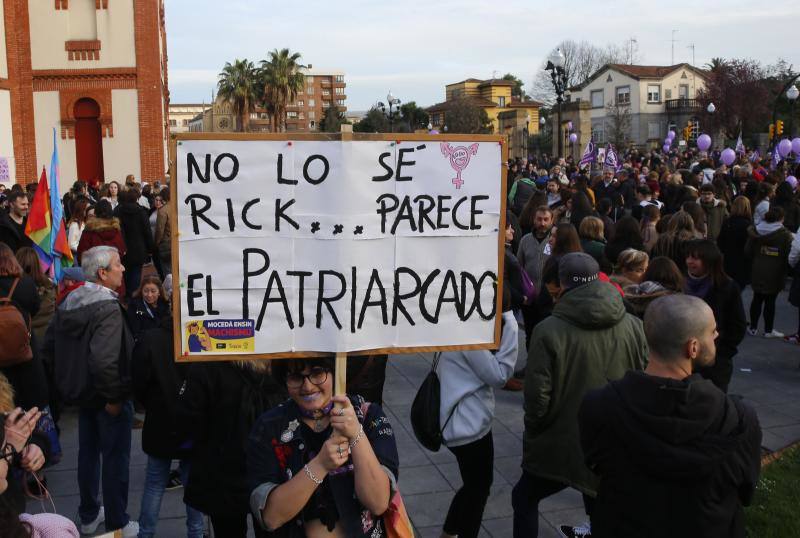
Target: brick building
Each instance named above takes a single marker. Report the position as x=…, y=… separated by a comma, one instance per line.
x=323, y=89
x=96, y=71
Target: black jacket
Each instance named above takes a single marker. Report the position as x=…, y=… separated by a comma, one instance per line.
x=157, y=382
x=675, y=458
x=142, y=318
x=217, y=409
x=136, y=233
x=89, y=346
x=28, y=378
x=13, y=234
x=731, y=241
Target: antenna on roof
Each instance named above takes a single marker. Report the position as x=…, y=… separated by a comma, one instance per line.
x=494, y=74
x=673, y=46
x=692, y=47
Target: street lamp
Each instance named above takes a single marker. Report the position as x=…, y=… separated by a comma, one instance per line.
x=792, y=94
x=525, y=134
x=711, y=108
x=558, y=76
x=392, y=101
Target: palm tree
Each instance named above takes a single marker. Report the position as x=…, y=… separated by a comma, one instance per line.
x=237, y=85
x=715, y=64
x=282, y=79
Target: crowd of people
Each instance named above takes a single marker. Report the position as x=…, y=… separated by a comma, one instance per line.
x=624, y=286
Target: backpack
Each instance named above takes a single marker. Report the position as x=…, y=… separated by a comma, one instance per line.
x=425, y=410
x=15, y=332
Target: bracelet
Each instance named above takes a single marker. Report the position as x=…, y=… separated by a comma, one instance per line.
x=313, y=478
x=358, y=437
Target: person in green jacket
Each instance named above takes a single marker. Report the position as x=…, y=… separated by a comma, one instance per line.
x=768, y=246
x=588, y=341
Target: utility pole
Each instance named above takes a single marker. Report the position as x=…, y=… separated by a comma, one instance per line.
x=673, y=46
x=631, y=41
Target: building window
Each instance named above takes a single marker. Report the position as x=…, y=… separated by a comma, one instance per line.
x=501, y=101
x=311, y=103
x=301, y=103
x=653, y=93
x=339, y=78
x=653, y=130
x=312, y=115
x=263, y=115
x=292, y=115
x=310, y=79
x=326, y=92
x=253, y=116
x=598, y=133
x=185, y=123
x=597, y=99
x=340, y=91
x=301, y=116
x=340, y=102
x=310, y=90
x=312, y=125
x=624, y=95
x=683, y=91
x=173, y=123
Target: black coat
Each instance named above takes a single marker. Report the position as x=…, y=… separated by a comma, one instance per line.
x=675, y=458
x=13, y=234
x=218, y=408
x=157, y=381
x=726, y=302
x=28, y=378
x=142, y=319
x=731, y=241
x=136, y=233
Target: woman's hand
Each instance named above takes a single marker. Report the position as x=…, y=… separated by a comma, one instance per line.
x=19, y=427
x=32, y=458
x=334, y=452
x=343, y=418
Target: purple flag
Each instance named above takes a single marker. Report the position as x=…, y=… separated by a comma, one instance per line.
x=776, y=158
x=612, y=159
x=589, y=154
x=740, y=145
x=755, y=156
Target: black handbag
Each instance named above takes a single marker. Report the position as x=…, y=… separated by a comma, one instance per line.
x=425, y=410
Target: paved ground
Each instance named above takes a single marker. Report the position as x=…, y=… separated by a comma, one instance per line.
x=766, y=374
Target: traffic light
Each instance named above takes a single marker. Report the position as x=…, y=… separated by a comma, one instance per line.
x=779, y=127
x=771, y=131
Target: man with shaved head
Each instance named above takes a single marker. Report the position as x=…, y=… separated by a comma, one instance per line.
x=675, y=455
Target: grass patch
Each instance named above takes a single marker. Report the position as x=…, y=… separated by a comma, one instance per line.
x=774, y=511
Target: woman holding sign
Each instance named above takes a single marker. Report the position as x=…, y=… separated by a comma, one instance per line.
x=321, y=465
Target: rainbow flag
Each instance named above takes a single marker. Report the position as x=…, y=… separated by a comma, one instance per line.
x=45, y=224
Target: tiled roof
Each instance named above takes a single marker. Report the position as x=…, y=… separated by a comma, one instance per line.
x=641, y=71
x=478, y=101
x=496, y=82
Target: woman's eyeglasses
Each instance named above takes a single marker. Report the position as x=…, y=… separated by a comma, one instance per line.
x=317, y=376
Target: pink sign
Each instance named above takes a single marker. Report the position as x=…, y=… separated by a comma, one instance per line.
x=459, y=159
x=5, y=172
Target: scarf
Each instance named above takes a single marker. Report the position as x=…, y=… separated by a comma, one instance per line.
x=698, y=286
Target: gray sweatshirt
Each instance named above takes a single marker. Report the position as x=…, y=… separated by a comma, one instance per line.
x=532, y=254
x=467, y=378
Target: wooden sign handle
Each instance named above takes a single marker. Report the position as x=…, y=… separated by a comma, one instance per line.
x=340, y=378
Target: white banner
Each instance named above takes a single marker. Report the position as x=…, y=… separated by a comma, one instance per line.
x=326, y=246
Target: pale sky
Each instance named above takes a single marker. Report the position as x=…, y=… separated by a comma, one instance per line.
x=415, y=47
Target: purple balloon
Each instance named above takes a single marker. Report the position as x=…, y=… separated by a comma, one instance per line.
x=784, y=147
x=796, y=145
x=703, y=142
x=573, y=138
x=728, y=156
x=569, y=126
x=665, y=147
x=791, y=180
x=668, y=141
x=671, y=135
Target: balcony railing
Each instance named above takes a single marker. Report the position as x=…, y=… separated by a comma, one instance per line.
x=683, y=104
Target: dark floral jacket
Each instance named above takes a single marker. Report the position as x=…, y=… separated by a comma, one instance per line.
x=276, y=452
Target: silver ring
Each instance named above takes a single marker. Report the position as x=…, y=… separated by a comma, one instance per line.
x=341, y=412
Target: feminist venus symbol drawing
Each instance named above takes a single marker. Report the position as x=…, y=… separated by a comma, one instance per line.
x=459, y=159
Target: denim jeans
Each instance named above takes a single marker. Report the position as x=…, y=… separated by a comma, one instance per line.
x=156, y=478
x=101, y=435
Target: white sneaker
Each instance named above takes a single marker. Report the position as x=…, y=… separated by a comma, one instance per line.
x=131, y=530
x=752, y=332
x=580, y=531
x=774, y=334
x=90, y=528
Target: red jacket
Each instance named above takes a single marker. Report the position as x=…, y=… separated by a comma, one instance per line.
x=103, y=232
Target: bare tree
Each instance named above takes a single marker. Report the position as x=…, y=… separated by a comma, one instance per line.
x=581, y=60
x=618, y=124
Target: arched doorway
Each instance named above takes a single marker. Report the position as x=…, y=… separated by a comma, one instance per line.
x=88, y=141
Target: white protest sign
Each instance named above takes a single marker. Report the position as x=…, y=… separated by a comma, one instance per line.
x=336, y=246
